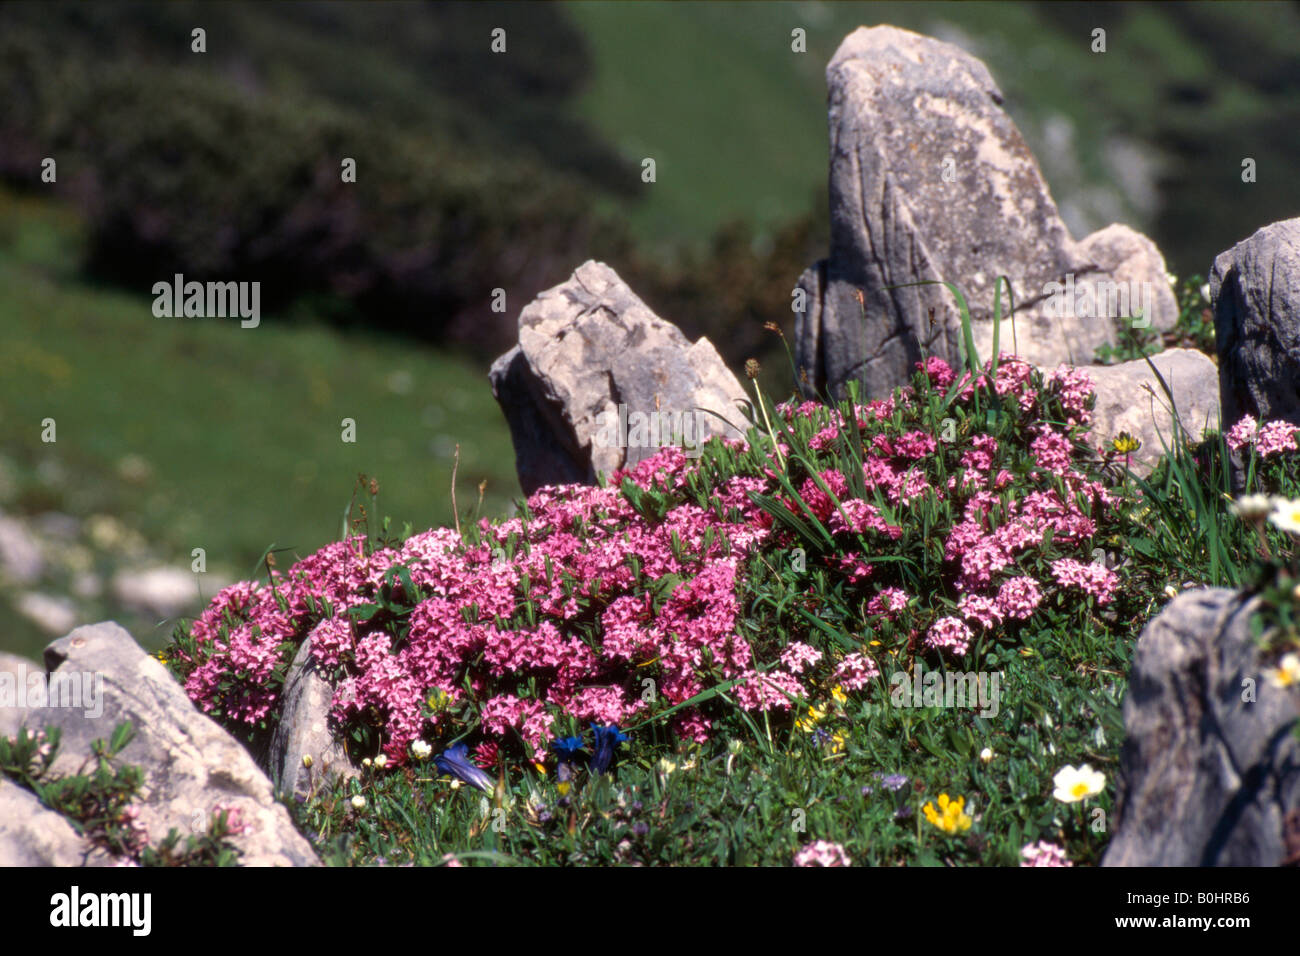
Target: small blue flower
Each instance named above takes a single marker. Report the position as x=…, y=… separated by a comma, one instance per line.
x=607, y=741
x=454, y=762
x=567, y=749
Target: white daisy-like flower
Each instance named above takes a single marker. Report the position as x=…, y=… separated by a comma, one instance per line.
x=1286, y=514
x=1075, y=784
x=1252, y=507
x=1287, y=673
x=358, y=802
x=987, y=754
x=381, y=761
x=421, y=750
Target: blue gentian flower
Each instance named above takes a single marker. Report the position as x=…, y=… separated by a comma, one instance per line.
x=455, y=762
x=607, y=741
x=567, y=749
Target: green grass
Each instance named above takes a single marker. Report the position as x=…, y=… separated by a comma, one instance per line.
x=239, y=428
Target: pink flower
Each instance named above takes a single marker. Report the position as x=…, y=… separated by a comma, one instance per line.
x=1043, y=853
x=1075, y=387
x=796, y=657
x=949, y=633
x=1276, y=437
x=1242, y=434
x=1052, y=451
x=888, y=602
x=1095, y=579
x=855, y=671
x=1019, y=597
x=914, y=445
x=982, y=610
x=822, y=853
x=938, y=371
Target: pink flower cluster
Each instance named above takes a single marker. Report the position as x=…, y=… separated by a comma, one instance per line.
x=822, y=853
x=580, y=557
x=1092, y=578
x=1270, y=439
x=1043, y=853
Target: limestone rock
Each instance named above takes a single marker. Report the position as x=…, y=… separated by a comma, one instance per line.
x=1207, y=779
x=1255, y=291
x=191, y=765
x=31, y=834
x=18, y=670
x=930, y=180
x=1131, y=399
x=304, y=730
x=591, y=355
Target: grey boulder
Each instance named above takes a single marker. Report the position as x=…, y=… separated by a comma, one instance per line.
x=31, y=834
x=1255, y=291
x=304, y=731
x=592, y=361
x=1210, y=768
x=930, y=180
x=191, y=765
x=1131, y=399
x=15, y=673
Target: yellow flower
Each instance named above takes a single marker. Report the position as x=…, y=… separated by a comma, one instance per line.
x=1073, y=785
x=838, y=695
x=815, y=716
x=665, y=766
x=562, y=787
x=1125, y=444
x=837, y=743
x=540, y=768
x=951, y=816
x=1287, y=673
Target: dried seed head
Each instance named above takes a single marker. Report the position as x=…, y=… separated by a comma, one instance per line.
x=751, y=368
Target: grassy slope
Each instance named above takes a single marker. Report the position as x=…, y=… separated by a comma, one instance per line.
x=240, y=427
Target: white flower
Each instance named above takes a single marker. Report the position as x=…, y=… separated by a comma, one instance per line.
x=665, y=766
x=358, y=802
x=1171, y=591
x=1073, y=785
x=1171, y=278
x=1286, y=514
x=1205, y=292
x=987, y=754
x=365, y=761
x=1252, y=507
x=1288, y=671
x=381, y=761
x=421, y=750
